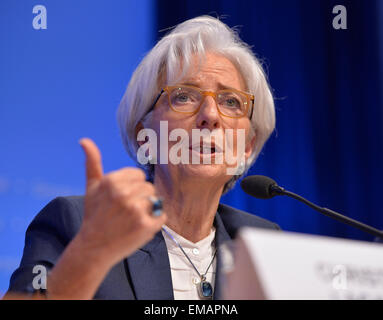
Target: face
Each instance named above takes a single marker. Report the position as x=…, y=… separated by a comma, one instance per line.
x=216, y=73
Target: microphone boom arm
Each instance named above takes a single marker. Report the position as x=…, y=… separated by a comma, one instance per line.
x=277, y=190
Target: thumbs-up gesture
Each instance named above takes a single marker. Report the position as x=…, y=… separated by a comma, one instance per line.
x=118, y=212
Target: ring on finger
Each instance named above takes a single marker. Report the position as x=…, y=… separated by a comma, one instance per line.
x=157, y=205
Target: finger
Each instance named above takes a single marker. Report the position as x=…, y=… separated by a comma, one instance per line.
x=128, y=174
x=94, y=171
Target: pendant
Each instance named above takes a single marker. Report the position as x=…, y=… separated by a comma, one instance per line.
x=205, y=290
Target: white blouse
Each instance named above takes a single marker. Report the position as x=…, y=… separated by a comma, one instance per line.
x=185, y=279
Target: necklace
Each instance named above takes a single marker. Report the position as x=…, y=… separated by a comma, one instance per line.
x=205, y=289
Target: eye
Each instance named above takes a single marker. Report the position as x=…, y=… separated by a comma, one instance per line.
x=182, y=97
x=229, y=101
x=232, y=103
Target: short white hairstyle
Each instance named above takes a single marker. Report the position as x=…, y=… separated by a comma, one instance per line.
x=162, y=66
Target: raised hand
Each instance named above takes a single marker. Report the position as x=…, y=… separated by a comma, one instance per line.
x=118, y=213
x=117, y=221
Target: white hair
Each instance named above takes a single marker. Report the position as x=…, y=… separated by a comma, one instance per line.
x=162, y=66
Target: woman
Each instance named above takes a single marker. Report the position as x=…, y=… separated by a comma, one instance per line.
x=157, y=237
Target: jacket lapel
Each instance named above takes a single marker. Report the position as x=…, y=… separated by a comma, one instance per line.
x=221, y=237
x=149, y=268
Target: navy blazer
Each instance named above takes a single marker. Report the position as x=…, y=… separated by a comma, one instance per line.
x=143, y=275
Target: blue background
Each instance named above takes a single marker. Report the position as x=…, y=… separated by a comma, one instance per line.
x=64, y=83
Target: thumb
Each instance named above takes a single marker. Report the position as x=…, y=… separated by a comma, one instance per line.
x=93, y=165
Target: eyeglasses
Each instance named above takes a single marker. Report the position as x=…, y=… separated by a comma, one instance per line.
x=188, y=100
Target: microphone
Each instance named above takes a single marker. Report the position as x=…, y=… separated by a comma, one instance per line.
x=263, y=187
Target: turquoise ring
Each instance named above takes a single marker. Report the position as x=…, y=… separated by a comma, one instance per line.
x=157, y=206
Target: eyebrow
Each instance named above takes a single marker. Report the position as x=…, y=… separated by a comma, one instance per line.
x=196, y=84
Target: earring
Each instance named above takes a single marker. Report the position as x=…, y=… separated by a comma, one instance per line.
x=241, y=168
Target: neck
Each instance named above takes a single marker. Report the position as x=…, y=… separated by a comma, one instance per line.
x=190, y=206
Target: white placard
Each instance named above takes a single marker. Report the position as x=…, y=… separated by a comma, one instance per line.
x=286, y=265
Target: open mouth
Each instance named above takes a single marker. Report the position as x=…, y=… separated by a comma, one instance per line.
x=209, y=149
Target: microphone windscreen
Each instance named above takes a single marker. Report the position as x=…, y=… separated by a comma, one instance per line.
x=258, y=186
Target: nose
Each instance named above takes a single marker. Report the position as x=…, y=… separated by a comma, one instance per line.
x=208, y=116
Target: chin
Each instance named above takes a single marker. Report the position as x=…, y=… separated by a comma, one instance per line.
x=202, y=171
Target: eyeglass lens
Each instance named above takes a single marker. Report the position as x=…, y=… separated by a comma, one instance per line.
x=230, y=103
